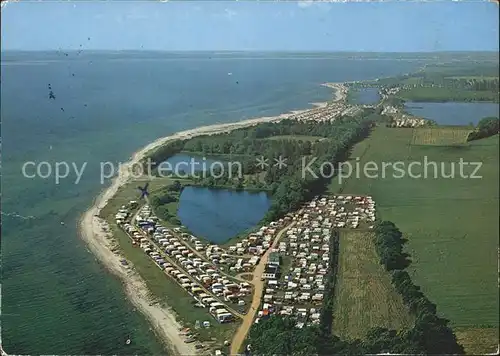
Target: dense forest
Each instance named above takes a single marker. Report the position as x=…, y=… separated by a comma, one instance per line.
x=153, y=159
x=289, y=186
x=479, y=84
x=389, y=247
x=429, y=335
x=486, y=127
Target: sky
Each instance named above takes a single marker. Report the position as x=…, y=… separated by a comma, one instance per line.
x=247, y=25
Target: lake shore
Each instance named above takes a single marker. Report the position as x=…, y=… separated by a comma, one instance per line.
x=96, y=233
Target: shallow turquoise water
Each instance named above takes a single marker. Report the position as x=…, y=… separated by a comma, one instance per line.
x=56, y=298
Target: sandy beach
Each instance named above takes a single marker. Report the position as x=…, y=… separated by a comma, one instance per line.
x=340, y=93
x=95, y=233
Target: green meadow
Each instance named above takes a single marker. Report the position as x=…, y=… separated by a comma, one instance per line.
x=440, y=94
x=364, y=295
x=451, y=223
x=441, y=136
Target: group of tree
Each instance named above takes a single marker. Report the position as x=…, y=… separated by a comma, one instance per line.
x=276, y=335
x=430, y=333
x=288, y=186
x=326, y=316
x=450, y=82
x=294, y=185
x=159, y=201
x=486, y=127
x=389, y=244
x=477, y=84
x=161, y=154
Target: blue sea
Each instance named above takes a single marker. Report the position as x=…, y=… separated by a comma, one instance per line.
x=56, y=297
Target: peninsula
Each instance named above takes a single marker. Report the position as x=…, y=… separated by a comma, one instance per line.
x=306, y=263
x=96, y=232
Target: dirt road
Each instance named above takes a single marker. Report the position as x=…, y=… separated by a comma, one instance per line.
x=258, y=286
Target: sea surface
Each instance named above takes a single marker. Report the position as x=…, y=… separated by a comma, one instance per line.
x=56, y=297
x=453, y=113
x=220, y=214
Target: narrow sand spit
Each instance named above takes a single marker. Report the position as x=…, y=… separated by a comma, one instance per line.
x=340, y=90
x=94, y=231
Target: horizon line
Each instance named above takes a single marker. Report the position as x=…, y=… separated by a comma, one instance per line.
x=242, y=51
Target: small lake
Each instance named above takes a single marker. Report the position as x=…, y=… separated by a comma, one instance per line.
x=452, y=113
x=220, y=214
x=365, y=96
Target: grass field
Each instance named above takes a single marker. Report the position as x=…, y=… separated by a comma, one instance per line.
x=451, y=223
x=440, y=136
x=364, y=295
x=438, y=94
x=412, y=81
x=472, y=77
x=478, y=341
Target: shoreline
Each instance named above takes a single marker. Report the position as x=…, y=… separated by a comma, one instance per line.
x=340, y=91
x=94, y=230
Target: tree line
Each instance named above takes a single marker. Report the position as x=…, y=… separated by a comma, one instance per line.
x=277, y=335
x=430, y=334
x=159, y=201
x=472, y=84
x=326, y=317
x=288, y=186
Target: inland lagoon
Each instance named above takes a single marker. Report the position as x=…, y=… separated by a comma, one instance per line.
x=220, y=214
x=365, y=96
x=452, y=113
